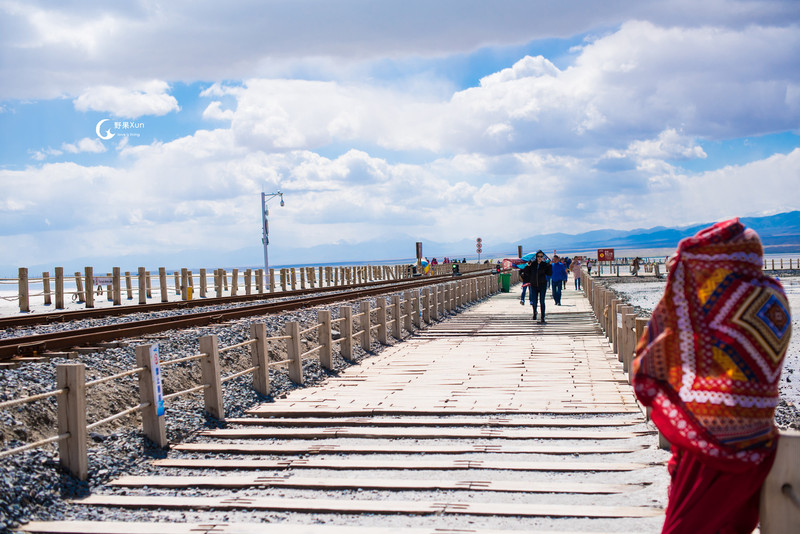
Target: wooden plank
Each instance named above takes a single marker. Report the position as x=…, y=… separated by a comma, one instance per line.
x=359, y=463
x=371, y=421
x=371, y=507
x=396, y=448
x=117, y=527
x=414, y=433
x=394, y=484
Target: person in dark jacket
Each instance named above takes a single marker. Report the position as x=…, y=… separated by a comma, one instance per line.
x=559, y=277
x=537, y=274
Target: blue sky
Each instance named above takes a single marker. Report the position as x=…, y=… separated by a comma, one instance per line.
x=386, y=122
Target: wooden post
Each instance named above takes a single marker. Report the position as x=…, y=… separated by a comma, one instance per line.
x=294, y=278
x=128, y=285
x=312, y=277
x=325, y=339
x=293, y=352
x=210, y=371
x=234, y=282
x=781, y=490
x=141, y=286
x=72, y=452
x=162, y=284
x=260, y=281
x=148, y=285
x=178, y=285
x=347, y=332
x=426, y=305
x=153, y=425
x=89, y=274
x=283, y=279
x=59, y=288
x=46, y=288
x=190, y=279
x=260, y=358
x=248, y=273
x=408, y=310
x=416, y=311
x=117, y=286
x=435, y=303
x=383, y=332
x=397, y=313
x=203, y=283
x=302, y=278
x=110, y=288
x=272, y=280
x=365, y=325
x=79, y=286
x=218, y=282
x=24, y=294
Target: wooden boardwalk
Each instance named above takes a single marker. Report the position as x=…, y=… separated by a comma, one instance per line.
x=485, y=422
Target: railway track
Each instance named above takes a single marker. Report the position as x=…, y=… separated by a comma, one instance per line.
x=38, y=344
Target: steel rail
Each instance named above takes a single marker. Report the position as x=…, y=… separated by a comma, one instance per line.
x=39, y=343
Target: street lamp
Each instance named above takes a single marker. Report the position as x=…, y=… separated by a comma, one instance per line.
x=264, y=213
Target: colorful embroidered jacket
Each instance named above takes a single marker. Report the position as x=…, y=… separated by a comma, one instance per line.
x=711, y=357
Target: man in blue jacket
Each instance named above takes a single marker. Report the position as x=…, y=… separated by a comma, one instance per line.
x=559, y=277
x=537, y=273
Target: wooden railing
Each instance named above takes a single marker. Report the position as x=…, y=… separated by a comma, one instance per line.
x=780, y=495
x=418, y=307
x=187, y=285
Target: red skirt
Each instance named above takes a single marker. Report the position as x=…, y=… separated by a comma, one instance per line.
x=706, y=500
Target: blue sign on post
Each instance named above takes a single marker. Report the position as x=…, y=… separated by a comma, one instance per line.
x=155, y=368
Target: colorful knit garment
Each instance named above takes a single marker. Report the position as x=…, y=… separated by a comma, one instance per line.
x=711, y=357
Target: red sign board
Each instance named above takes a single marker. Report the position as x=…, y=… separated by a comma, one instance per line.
x=605, y=254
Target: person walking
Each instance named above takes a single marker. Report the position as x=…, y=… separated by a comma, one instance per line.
x=576, y=272
x=559, y=277
x=523, y=276
x=709, y=365
x=537, y=273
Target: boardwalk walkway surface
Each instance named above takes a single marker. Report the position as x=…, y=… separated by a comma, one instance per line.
x=485, y=422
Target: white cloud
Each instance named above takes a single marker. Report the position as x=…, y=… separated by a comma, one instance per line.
x=84, y=145
x=214, y=111
x=150, y=98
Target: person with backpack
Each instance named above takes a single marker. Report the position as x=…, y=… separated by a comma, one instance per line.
x=537, y=273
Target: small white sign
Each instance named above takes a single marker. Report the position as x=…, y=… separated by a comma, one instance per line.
x=103, y=280
x=155, y=368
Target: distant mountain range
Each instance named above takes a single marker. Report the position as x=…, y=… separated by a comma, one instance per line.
x=780, y=234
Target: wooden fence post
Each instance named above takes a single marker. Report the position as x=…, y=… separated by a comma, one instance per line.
x=397, y=313
x=72, y=452
x=117, y=286
x=162, y=284
x=178, y=285
x=325, y=339
x=153, y=425
x=46, y=288
x=89, y=274
x=148, y=284
x=234, y=282
x=435, y=303
x=128, y=285
x=260, y=281
x=346, y=313
x=79, y=286
x=383, y=332
x=365, y=325
x=293, y=352
x=408, y=310
x=210, y=371
x=248, y=273
x=59, y=288
x=260, y=358
x=218, y=282
x=272, y=280
x=426, y=305
x=283, y=279
x=142, y=289
x=203, y=283
x=302, y=278
x=780, y=510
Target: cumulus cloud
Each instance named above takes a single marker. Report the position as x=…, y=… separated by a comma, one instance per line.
x=84, y=145
x=150, y=98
